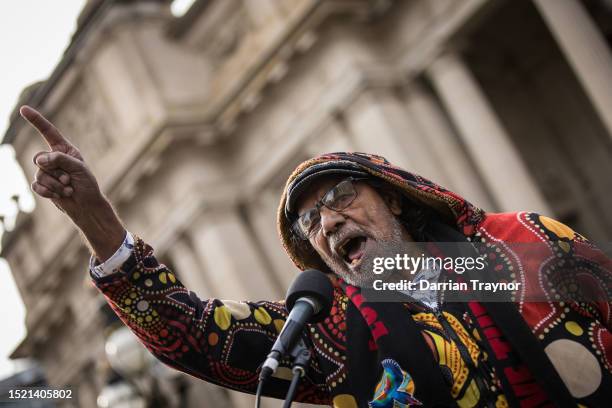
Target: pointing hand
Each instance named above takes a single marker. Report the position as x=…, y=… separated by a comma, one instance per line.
x=62, y=175
x=65, y=179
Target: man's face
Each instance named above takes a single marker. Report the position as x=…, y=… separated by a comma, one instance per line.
x=349, y=240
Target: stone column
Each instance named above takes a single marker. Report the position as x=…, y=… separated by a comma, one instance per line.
x=262, y=213
x=447, y=151
x=586, y=51
x=233, y=265
x=378, y=123
x=189, y=268
x=496, y=158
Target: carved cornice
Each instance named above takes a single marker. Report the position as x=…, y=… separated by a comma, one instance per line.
x=97, y=16
x=241, y=95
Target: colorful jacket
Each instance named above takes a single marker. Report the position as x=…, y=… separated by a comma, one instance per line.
x=470, y=354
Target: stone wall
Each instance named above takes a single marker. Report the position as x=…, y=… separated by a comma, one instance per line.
x=193, y=124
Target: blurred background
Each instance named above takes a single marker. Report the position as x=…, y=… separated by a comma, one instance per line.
x=193, y=113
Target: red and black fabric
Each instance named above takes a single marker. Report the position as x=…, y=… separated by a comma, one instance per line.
x=362, y=359
x=526, y=335
x=390, y=333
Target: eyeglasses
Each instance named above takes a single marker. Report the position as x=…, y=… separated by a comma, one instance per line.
x=337, y=199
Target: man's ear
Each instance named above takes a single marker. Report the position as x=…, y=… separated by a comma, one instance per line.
x=393, y=201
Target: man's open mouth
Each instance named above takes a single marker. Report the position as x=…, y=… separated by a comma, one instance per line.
x=352, y=249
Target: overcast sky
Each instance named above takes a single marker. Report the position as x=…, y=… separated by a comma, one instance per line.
x=33, y=36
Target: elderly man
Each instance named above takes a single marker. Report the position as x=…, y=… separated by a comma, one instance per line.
x=339, y=213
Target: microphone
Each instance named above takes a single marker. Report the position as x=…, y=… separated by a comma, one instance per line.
x=309, y=300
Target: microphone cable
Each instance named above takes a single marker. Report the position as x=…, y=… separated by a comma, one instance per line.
x=298, y=372
x=260, y=385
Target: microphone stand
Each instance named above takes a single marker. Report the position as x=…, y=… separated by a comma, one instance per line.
x=300, y=356
x=308, y=299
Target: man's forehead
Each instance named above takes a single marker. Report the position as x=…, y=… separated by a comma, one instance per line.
x=317, y=189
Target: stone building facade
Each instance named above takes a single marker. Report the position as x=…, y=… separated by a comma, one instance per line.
x=192, y=125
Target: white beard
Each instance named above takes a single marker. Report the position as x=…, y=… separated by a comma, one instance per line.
x=386, y=246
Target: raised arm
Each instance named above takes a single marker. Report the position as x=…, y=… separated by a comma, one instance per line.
x=223, y=342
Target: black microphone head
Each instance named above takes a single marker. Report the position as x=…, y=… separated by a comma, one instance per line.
x=315, y=285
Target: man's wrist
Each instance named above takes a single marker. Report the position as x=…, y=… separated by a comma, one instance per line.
x=114, y=263
x=103, y=230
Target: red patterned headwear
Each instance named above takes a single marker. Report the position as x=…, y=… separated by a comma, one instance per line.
x=452, y=208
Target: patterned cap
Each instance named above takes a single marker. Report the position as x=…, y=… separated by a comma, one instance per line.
x=331, y=168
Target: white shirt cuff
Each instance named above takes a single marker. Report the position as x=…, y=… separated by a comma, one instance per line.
x=113, y=264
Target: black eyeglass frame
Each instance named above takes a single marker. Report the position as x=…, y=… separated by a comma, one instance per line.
x=320, y=203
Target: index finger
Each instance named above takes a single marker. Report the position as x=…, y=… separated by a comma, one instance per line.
x=46, y=129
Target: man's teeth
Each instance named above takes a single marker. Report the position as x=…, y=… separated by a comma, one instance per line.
x=350, y=245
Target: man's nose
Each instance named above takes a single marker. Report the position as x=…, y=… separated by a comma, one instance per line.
x=330, y=220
